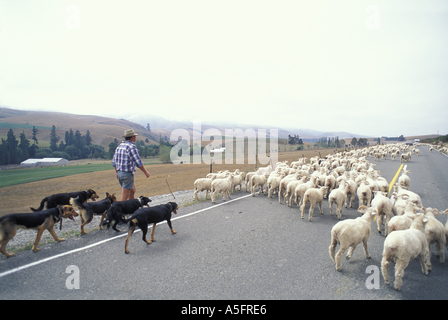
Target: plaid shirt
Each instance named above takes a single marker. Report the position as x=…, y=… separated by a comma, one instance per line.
x=126, y=157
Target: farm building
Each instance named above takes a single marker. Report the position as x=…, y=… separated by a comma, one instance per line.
x=45, y=162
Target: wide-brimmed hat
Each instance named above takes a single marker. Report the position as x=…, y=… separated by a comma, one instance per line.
x=129, y=133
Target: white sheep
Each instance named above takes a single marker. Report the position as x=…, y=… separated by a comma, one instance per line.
x=291, y=188
x=405, y=157
x=364, y=193
x=300, y=189
x=404, y=245
x=284, y=184
x=330, y=183
x=201, y=185
x=339, y=197
x=350, y=190
x=404, y=179
x=435, y=233
x=384, y=208
x=349, y=233
x=222, y=185
x=404, y=221
x=258, y=180
x=273, y=182
x=313, y=196
x=237, y=180
x=412, y=196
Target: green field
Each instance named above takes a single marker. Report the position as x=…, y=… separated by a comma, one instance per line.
x=19, y=176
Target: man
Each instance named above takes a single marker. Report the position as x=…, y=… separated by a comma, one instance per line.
x=125, y=160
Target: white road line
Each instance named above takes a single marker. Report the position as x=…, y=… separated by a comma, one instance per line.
x=107, y=240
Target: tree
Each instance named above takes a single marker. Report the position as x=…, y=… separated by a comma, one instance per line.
x=11, y=143
x=53, y=139
x=148, y=127
x=35, y=132
x=112, y=146
x=164, y=154
x=23, y=147
x=87, y=138
x=354, y=142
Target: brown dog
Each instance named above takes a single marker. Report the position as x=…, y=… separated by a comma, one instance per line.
x=88, y=209
x=40, y=221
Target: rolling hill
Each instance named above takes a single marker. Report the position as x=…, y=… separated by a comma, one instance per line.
x=102, y=130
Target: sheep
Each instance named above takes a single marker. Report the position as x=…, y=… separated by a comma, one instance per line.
x=350, y=190
x=201, y=185
x=259, y=180
x=283, y=185
x=314, y=196
x=435, y=233
x=274, y=182
x=339, y=197
x=330, y=183
x=237, y=180
x=412, y=196
x=248, y=181
x=384, y=208
x=291, y=188
x=222, y=185
x=404, y=179
x=404, y=221
x=364, y=193
x=350, y=233
x=405, y=157
x=404, y=245
x=300, y=189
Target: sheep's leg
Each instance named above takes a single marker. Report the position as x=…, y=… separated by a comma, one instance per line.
x=195, y=195
x=440, y=251
x=320, y=208
x=366, y=251
x=332, y=248
x=341, y=251
x=425, y=262
x=385, y=268
x=400, y=266
x=339, y=210
x=350, y=252
x=310, y=214
x=303, y=210
x=330, y=202
x=352, y=198
x=379, y=222
x=386, y=230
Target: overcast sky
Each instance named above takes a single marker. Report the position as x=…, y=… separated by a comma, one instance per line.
x=367, y=67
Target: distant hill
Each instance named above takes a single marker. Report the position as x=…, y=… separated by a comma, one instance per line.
x=165, y=126
x=103, y=130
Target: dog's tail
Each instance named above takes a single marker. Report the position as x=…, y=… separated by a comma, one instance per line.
x=123, y=219
x=113, y=215
x=42, y=204
x=74, y=202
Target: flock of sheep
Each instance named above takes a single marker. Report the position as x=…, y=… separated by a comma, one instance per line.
x=409, y=227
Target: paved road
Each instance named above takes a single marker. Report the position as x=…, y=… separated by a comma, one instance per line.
x=250, y=248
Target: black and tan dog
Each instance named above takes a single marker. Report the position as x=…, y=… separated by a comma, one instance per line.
x=144, y=216
x=88, y=209
x=118, y=209
x=40, y=221
x=60, y=199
